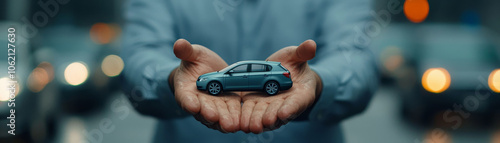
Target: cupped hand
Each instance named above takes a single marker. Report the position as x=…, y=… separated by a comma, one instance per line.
x=261, y=112
x=220, y=112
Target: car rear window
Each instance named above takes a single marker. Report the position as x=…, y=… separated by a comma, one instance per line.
x=283, y=67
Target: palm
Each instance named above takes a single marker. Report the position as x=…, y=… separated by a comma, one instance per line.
x=263, y=112
x=268, y=111
x=220, y=112
x=259, y=111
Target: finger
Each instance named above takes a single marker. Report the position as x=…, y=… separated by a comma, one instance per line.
x=271, y=114
x=218, y=127
x=296, y=54
x=193, y=53
x=306, y=51
x=189, y=102
x=256, y=119
x=185, y=51
x=291, y=108
x=201, y=119
x=235, y=111
x=246, y=113
x=225, y=120
x=209, y=110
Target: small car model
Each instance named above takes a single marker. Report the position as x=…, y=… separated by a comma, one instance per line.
x=267, y=76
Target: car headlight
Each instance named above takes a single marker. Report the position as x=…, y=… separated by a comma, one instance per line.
x=494, y=81
x=436, y=80
x=202, y=79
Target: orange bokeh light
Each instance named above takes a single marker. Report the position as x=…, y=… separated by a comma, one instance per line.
x=494, y=81
x=102, y=33
x=48, y=68
x=437, y=136
x=38, y=79
x=496, y=137
x=416, y=10
x=436, y=80
x=393, y=62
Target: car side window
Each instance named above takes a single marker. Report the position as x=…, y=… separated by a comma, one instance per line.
x=258, y=68
x=240, y=68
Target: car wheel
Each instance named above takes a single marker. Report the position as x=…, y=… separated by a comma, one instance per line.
x=272, y=87
x=214, y=88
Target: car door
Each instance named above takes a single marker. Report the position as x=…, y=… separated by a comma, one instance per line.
x=257, y=76
x=237, y=78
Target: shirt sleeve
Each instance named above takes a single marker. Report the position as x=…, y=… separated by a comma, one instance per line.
x=344, y=61
x=147, y=52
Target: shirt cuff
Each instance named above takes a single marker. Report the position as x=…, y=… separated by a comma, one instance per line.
x=149, y=90
x=320, y=109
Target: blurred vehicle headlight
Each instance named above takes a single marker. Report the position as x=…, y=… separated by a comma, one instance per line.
x=112, y=65
x=76, y=73
x=494, y=81
x=436, y=80
x=4, y=92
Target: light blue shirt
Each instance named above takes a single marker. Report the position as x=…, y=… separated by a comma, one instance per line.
x=249, y=30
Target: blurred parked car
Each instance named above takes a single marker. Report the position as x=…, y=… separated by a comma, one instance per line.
x=452, y=69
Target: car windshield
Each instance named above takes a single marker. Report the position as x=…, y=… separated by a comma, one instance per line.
x=461, y=53
x=463, y=47
x=229, y=67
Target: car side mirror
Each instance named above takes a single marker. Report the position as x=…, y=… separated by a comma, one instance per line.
x=231, y=71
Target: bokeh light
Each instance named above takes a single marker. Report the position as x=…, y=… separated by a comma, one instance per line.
x=436, y=80
x=37, y=80
x=40, y=77
x=103, y=33
x=48, y=68
x=494, y=81
x=496, y=137
x=4, y=92
x=437, y=136
x=73, y=130
x=393, y=62
x=392, y=58
x=76, y=73
x=416, y=10
x=112, y=65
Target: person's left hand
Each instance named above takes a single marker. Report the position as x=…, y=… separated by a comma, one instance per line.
x=262, y=112
x=220, y=112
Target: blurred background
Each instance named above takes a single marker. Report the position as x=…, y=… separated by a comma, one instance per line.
x=439, y=74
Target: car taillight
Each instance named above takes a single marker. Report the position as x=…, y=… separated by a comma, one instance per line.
x=287, y=74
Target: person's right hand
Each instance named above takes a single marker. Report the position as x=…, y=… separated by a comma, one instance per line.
x=220, y=112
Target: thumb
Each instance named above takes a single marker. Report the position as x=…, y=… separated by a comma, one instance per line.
x=305, y=51
x=296, y=54
x=185, y=51
x=193, y=53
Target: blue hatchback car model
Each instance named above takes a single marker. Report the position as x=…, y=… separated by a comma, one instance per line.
x=268, y=76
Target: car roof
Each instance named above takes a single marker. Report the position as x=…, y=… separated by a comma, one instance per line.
x=257, y=62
